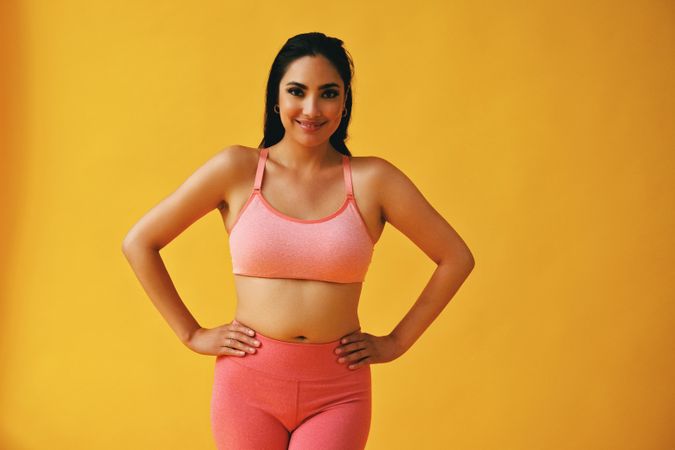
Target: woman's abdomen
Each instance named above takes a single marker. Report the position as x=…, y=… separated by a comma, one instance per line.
x=288, y=309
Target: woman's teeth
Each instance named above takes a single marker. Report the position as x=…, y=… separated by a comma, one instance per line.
x=310, y=126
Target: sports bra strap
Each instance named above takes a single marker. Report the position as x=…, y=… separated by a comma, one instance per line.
x=261, y=169
x=348, y=175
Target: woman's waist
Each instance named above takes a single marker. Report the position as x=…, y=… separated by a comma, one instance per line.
x=295, y=361
x=298, y=321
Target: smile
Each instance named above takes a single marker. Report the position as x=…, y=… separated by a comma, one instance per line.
x=309, y=126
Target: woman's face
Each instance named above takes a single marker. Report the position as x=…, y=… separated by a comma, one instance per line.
x=311, y=100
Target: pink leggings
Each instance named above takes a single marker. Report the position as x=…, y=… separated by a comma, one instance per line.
x=290, y=395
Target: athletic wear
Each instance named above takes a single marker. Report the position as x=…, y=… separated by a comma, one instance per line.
x=264, y=242
x=260, y=398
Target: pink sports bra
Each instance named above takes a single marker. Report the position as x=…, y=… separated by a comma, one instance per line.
x=264, y=242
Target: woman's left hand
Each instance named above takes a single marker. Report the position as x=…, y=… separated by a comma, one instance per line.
x=358, y=348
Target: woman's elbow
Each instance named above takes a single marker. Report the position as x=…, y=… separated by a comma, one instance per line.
x=462, y=257
x=130, y=243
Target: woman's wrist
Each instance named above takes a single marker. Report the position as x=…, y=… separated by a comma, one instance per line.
x=187, y=338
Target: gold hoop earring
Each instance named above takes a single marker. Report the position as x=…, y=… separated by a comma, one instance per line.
x=344, y=112
x=276, y=109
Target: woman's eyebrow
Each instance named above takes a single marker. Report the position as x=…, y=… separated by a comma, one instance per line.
x=323, y=86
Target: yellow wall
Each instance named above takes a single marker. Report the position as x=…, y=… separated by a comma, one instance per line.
x=542, y=132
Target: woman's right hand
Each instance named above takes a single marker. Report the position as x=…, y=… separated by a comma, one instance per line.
x=231, y=339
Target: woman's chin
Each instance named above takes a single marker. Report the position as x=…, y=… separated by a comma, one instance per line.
x=310, y=141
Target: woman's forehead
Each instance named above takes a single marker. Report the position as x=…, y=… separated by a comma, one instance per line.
x=312, y=72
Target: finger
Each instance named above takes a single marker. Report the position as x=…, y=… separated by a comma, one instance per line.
x=236, y=344
x=254, y=342
x=360, y=363
x=231, y=351
x=354, y=356
x=352, y=347
x=352, y=337
x=241, y=334
x=244, y=329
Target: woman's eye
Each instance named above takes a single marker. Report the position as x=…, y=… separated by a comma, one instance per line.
x=295, y=91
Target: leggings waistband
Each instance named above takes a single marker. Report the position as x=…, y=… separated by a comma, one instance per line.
x=295, y=360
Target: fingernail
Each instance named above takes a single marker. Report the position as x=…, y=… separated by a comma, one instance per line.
x=338, y=350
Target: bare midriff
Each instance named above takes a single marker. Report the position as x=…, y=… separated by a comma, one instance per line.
x=293, y=310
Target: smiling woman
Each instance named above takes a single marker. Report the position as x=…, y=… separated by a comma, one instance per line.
x=317, y=110
x=310, y=86
x=292, y=369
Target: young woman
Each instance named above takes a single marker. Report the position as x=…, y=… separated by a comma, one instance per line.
x=292, y=370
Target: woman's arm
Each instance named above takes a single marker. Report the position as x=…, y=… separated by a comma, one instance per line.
x=202, y=192
x=404, y=206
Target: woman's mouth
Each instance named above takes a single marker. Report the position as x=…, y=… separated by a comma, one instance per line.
x=310, y=126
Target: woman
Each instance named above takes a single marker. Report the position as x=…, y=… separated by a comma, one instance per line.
x=292, y=370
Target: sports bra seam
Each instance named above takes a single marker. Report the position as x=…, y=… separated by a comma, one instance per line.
x=258, y=275
x=243, y=209
x=362, y=222
x=284, y=216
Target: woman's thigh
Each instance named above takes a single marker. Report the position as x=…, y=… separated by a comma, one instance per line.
x=250, y=410
x=334, y=414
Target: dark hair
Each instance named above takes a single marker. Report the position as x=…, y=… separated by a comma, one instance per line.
x=307, y=44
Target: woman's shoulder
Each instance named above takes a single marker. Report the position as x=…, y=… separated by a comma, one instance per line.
x=238, y=152
x=374, y=167
x=385, y=179
x=236, y=158
x=232, y=165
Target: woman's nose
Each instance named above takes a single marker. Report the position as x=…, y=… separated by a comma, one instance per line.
x=310, y=107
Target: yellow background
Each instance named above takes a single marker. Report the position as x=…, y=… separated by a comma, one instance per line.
x=542, y=131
